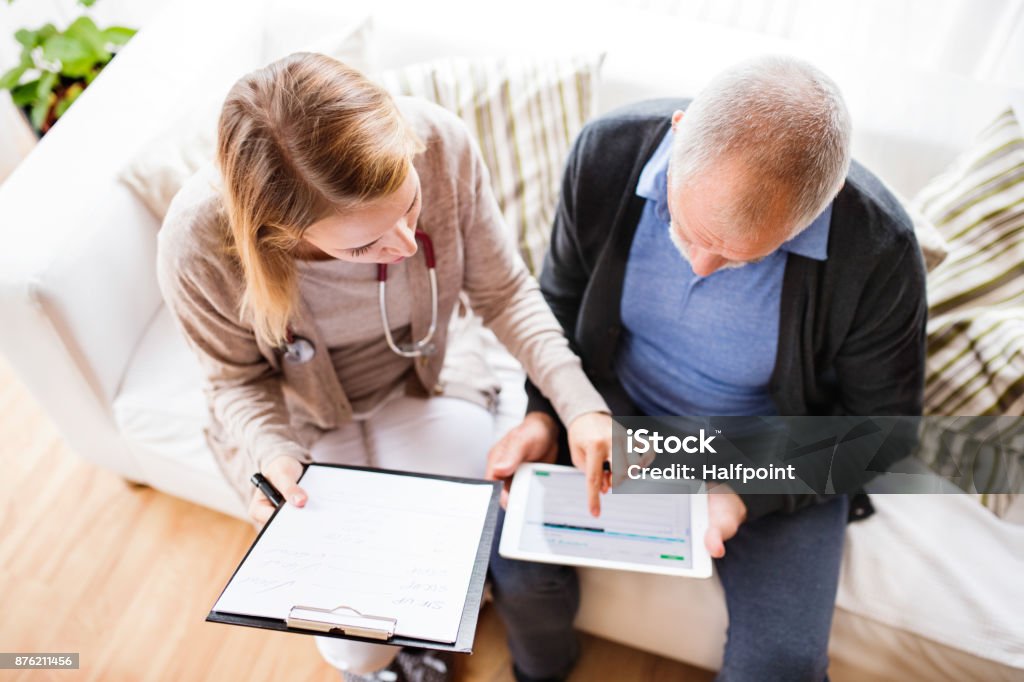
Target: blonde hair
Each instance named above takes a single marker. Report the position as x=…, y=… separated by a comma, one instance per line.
x=298, y=140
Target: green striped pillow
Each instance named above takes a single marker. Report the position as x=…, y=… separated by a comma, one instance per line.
x=524, y=113
x=975, y=362
x=976, y=297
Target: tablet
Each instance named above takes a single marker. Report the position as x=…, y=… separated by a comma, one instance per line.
x=548, y=521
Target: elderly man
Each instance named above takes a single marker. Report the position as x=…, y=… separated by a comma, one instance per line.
x=727, y=258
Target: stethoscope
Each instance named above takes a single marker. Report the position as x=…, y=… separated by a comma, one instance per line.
x=298, y=349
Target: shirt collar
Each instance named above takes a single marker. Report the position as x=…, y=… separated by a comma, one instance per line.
x=653, y=182
x=811, y=242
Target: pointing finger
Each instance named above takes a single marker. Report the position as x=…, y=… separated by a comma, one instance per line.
x=595, y=481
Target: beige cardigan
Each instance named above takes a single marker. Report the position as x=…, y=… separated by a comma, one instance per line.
x=262, y=407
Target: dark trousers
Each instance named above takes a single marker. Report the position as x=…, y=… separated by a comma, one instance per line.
x=780, y=575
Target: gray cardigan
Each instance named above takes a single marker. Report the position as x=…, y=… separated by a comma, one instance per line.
x=852, y=327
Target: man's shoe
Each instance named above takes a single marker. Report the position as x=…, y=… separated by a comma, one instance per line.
x=426, y=665
x=411, y=665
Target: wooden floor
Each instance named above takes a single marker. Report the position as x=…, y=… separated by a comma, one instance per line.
x=125, y=575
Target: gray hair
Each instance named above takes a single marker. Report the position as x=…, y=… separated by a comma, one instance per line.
x=788, y=123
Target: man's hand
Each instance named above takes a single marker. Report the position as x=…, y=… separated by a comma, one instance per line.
x=726, y=512
x=283, y=472
x=534, y=440
x=590, y=443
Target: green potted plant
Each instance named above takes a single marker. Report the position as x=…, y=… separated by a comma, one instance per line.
x=56, y=66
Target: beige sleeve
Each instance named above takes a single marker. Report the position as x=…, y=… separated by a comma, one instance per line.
x=242, y=389
x=508, y=299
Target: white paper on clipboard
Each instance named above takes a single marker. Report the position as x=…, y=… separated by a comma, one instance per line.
x=379, y=543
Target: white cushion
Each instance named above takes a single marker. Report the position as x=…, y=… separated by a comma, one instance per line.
x=161, y=412
x=160, y=404
x=943, y=568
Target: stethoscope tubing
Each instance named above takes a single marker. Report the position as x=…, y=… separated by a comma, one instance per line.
x=299, y=349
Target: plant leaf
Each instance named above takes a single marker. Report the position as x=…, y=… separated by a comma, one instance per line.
x=47, y=82
x=27, y=38
x=118, y=35
x=38, y=114
x=25, y=94
x=86, y=3
x=46, y=31
x=76, y=58
x=61, y=48
x=84, y=30
x=30, y=39
x=44, y=98
x=26, y=59
x=11, y=77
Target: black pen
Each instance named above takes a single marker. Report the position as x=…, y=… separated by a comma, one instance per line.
x=268, y=489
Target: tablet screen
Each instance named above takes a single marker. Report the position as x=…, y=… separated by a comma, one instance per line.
x=633, y=531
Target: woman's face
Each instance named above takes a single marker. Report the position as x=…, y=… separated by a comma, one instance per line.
x=382, y=231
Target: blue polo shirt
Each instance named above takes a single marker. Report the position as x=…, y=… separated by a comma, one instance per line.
x=700, y=345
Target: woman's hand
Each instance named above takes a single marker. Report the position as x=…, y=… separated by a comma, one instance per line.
x=590, y=443
x=283, y=472
x=535, y=439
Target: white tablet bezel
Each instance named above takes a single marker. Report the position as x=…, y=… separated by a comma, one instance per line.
x=515, y=516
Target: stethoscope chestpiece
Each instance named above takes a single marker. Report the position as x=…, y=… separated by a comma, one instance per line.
x=299, y=350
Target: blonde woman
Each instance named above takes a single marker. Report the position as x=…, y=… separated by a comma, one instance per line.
x=271, y=260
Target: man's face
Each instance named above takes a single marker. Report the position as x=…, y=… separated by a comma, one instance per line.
x=701, y=228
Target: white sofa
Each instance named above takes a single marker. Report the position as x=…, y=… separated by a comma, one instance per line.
x=926, y=582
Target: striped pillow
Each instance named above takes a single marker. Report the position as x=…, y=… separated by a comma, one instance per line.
x=524, y=113
x=975, y=362
x=976, y=297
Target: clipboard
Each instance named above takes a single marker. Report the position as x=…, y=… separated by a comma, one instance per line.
x=344, y=622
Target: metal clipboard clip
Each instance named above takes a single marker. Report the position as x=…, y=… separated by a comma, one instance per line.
x=344, y=618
